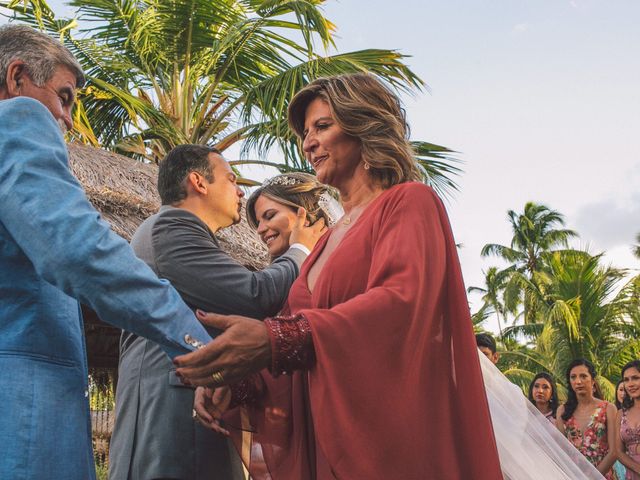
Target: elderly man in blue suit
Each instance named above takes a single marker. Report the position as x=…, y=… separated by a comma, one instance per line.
x=55, y=251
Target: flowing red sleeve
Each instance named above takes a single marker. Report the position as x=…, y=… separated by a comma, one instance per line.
x=395, y=390
x=397, y=377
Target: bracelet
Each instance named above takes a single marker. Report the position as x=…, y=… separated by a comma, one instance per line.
x=291, y=344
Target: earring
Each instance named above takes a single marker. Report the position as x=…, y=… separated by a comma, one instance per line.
x=366, y=165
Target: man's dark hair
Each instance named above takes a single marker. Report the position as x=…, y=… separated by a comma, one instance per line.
x=177, y=165
x=486, y=340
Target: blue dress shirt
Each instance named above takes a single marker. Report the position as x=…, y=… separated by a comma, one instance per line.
x=55, y=251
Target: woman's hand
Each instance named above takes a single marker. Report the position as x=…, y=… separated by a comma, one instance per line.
x=243, y=348
x=209, y=405
x=306, y=235
x=609, y=459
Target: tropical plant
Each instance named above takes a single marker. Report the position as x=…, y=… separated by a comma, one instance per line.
x=535, y=235
x=583, y=313
x=631, y=294
x=215, y=72
x=636, y=248
x=492, y=292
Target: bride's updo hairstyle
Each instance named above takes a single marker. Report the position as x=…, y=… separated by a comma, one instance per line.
x=367, y=110
x=294, y=190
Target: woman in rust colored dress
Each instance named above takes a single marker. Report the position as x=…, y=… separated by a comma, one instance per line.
x=371, y=368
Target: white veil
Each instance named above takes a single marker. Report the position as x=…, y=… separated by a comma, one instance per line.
x=331, y=207
x=530, y=446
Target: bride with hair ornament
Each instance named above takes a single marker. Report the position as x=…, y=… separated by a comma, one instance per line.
x=369, y=369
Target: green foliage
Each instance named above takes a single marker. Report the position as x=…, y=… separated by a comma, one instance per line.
x=492, y=296
x=534, y=236
x=102, y=471
x=215, y=72
x=101, y=391
x=580, y=316
x=573, y=306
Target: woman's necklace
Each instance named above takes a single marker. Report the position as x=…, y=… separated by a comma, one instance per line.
x=355, y=212
x=350, y=217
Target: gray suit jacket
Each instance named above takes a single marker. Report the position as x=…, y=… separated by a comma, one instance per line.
x=154, y=435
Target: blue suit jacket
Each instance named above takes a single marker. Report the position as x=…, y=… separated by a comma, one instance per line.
x=54, y=251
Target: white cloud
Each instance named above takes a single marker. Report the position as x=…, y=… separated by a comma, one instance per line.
x=520, y=28
x=609, y=223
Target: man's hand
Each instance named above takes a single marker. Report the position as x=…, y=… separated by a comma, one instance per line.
x=306, y=235
x=209, y=405
x=243, y=348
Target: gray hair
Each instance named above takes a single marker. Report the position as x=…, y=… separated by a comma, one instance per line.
x=40, y=53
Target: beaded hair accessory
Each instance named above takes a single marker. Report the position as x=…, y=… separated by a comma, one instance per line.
x=329, y=205
x=281, y=180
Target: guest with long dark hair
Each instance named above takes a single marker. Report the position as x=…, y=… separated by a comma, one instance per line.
x=619, y=468
x=628, y=421
x=620, y=394
x=587, y=420
x=544, y=395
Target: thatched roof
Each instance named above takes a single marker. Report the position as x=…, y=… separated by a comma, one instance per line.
x=124, y=191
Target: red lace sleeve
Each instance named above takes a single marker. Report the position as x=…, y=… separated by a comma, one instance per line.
x=291, y=344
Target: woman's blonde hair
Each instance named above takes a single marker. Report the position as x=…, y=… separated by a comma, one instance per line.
x=367, y=110
x=294, y=190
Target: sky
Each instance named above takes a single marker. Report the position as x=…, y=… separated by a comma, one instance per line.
x=541, y=98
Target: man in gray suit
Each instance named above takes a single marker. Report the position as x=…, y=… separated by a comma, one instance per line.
x=154, y=435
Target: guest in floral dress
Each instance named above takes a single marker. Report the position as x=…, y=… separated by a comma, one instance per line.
x=544, y=395
x=628, y=421
x=586, y=420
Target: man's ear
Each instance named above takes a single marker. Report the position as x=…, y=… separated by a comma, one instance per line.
x=16, y=72
x=196, y=182
x=496, y=357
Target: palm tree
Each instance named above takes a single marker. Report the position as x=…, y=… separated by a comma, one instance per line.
x=215, y=72
x=580, y=315
x=535, y=234
x=636, y=248
x=492, y=291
